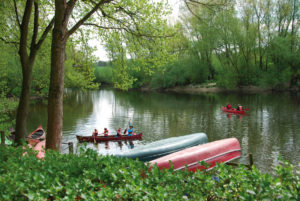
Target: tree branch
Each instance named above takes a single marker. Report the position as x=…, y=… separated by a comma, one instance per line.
x=86, y=17
x=17, y=14
x=45, y=33
x=35, y=25
x=9, y=42
x=24, y=32
x=70, y=6
x=102, y=27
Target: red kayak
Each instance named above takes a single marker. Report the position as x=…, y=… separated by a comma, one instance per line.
x=108, y=138
x=220, y=151
x=224, y=109
x=36, y=136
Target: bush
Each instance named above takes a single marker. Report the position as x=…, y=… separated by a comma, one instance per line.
x=92, y=177
x=104, y=75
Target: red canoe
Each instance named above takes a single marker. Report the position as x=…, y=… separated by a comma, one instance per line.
x=220, y=151
x=108, y=138
x=36, y=141
x=40, y=147
x=224, y=109
x=36, y=136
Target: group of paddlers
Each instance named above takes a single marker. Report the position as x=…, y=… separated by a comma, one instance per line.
x=239, y=107
x=119, y=131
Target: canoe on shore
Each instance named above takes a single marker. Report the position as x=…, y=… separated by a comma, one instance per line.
x=220, y=151
x=164, y=147
x=36, y=141
x=108, y=138
x=224, y=109
x=40, y=147
x=36, y=136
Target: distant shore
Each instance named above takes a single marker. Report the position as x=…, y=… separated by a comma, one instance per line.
x=212, y=88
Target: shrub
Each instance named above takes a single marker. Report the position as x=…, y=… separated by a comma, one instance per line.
x=88, y=176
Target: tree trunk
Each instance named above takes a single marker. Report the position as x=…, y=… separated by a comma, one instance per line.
x=55, y=99
x=27, y=65
x=22, y=112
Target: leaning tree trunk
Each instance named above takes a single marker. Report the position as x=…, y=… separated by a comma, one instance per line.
x=55, y=99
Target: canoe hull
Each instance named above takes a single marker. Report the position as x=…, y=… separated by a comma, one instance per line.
x=234, y=111
x=164, y=147
x=33, y=138
x=108, y=138
x=220, y=151
x=40, y=147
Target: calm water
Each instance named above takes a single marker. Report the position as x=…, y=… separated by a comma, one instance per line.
x=271, y=129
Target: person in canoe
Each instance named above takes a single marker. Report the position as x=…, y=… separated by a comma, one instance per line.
x=239, y=107
x=119, y=132
x=228, y=106
x=105, y=132
x=130, y=130
x=95, y=133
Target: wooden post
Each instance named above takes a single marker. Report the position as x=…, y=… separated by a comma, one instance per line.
x=250, y=160
x=70, y=147
x=2, y=138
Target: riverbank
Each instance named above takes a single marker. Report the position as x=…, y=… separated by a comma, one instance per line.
x=212, y=88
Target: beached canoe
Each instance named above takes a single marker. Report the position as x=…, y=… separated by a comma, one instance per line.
x=36, y=141
x=224, y=109
x=164, y=147
x=220, y=151
x=40, y=147
x=36, y=136
x=108, y=138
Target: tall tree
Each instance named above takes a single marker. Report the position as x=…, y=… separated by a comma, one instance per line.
x=130, y=16
x=27, y=57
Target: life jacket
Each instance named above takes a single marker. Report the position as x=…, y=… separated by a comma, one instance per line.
x=240, y=108
x=130, y=131
x=95, y=133
x=228, y=106
x=106, y=132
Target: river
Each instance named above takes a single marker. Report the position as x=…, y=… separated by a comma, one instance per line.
x=270, y=129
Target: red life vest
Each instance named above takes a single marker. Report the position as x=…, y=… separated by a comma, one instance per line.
x=240, y=108
x=106, y=132
x=95, y=133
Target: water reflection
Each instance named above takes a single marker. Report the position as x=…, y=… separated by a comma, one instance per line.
x=272, y=127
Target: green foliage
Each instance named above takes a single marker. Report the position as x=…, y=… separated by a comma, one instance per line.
x=104, y=75
x=147, y=42
x=173, y=76
x=92, y=177
x=255, y=43
x=79, y=66
x=7, y=105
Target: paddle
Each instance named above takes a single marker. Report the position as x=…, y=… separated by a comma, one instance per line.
x=94, y=137
x=126, y=128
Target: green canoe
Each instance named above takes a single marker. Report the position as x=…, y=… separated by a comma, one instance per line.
x=163, y=147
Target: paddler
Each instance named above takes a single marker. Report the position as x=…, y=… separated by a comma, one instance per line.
x=95, y=133
x=119, y=132
x=105, y=132
x=239, y=107
x=130, y=130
